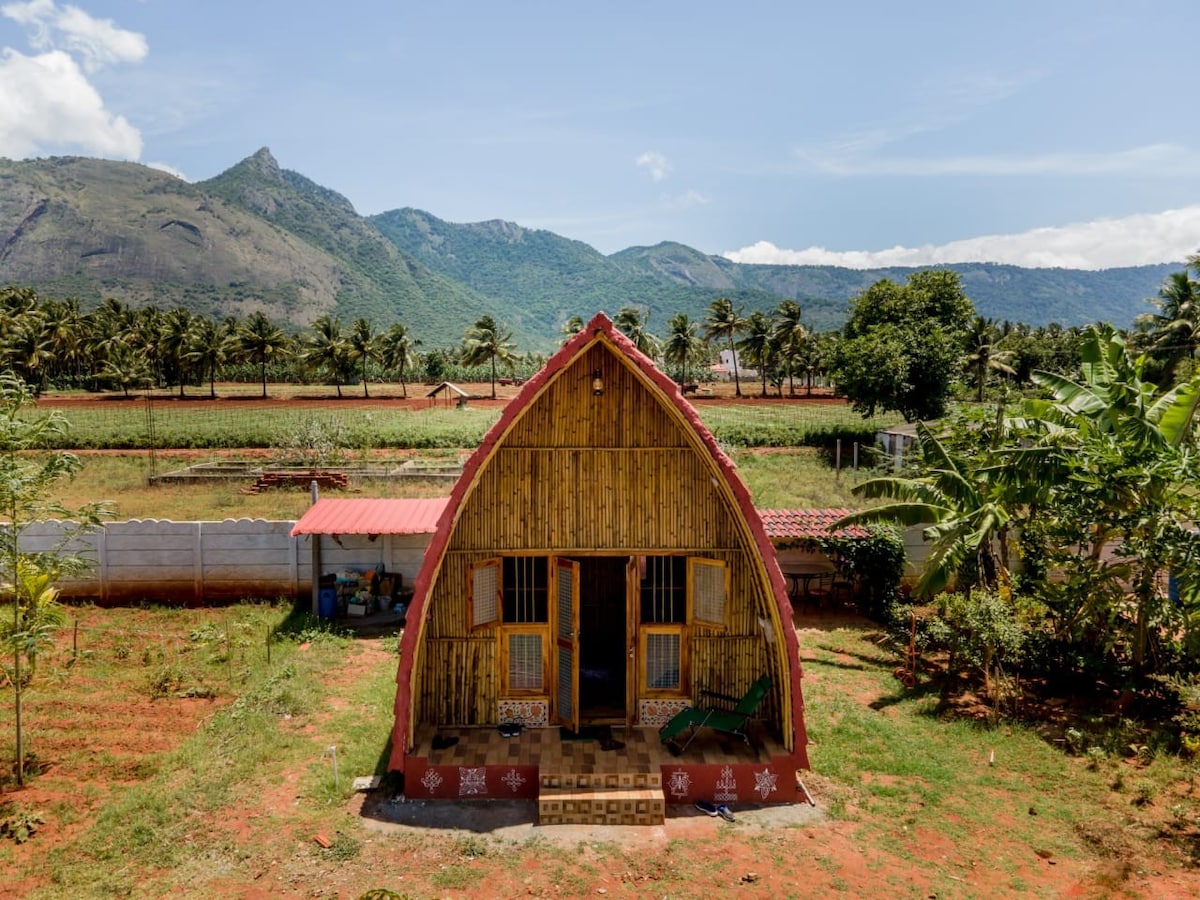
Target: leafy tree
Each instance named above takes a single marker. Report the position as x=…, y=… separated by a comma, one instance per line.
x=633, y=323
x=207, y=347
x=398, y=352
x=125, y=368
x=962, y=503
x=983, y=355
x=572, y=327
x=325, y=349
x=758, y=345
x=26, y=482
x=902, y=345
x=1123, y=464
x=363, y=348
x=174, y=345
x=683, y=345
x=791, y=339
x=261, y=342
x=1176, y=326
x=487, y=342
x=724, y=321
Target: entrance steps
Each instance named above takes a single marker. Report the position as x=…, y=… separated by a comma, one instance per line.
x=621, y=798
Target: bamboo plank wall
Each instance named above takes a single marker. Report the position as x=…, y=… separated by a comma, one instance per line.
x=578, y=474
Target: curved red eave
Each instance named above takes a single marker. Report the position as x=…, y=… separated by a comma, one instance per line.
x=599, y=328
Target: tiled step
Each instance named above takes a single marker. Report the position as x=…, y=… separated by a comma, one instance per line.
x=584, y=806
x=600, y=781
x=601, y=798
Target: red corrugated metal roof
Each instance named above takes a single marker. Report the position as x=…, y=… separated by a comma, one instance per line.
x=372, y=516
x=799, y=524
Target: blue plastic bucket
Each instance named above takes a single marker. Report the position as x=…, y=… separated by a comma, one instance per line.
x=327, y=603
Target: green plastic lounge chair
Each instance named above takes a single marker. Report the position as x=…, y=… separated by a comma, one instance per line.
x=735, y=722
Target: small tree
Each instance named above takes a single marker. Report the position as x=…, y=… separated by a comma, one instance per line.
x=25, y=483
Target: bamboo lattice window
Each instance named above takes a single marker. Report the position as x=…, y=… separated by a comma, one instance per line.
x=662, y=660
x=526, y=665
x=485, y=593
x=709, y=589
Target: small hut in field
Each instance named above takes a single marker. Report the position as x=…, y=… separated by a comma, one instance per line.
x=599, y=567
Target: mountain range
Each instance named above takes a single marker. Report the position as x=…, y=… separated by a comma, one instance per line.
x=260, y=237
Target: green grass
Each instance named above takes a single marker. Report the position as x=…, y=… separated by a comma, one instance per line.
x=777, y=479
x=909, y=789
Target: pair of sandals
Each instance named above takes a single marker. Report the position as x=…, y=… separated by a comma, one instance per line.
x=710, y=809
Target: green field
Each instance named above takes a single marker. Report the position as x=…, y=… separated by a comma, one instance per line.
x=139, y=424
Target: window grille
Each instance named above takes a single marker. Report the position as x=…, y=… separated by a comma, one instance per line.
x=662, y=661
x=664, y=590
x=525, y=670
x=526, y=589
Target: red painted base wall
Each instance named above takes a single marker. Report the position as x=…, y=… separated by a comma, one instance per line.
x=742, y=783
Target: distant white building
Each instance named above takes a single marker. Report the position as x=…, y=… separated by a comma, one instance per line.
x=724, y=369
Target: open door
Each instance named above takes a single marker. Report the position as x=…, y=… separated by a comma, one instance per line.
x=566, y=643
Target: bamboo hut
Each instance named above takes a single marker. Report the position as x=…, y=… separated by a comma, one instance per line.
x=599, y=565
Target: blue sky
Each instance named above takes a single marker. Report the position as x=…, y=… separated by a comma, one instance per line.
x=1038, y=133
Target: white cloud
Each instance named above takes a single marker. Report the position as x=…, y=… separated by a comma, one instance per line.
x=1136, y=240
x=169, y=169
x=658, y=164
x=687, y=200
x=853, y=158
x=96, y=42
x=47, y=102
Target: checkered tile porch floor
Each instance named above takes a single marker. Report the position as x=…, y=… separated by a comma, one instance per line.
x=545, y=748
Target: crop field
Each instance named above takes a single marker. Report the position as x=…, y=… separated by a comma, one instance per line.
x=164, y=421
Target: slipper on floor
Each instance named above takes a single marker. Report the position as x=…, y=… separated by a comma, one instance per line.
x=725, y=813
x=707, y=808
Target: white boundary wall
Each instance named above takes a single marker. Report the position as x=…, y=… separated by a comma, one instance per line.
x=204, y=562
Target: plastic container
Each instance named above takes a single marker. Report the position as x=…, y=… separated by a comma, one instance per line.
x=327, y=602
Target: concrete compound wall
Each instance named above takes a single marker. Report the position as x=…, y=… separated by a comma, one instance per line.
x=209, y=562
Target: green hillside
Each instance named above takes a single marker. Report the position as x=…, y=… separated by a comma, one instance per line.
x=543, y=279
x=254, y=238
x=260, y=237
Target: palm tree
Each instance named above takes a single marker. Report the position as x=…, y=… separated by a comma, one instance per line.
x=63, y=330
x=363, y=348
x=207, y=347
x=726, y=322
x=983, y=355
x=632, y=322
x=126, y=368
x=572, y=327
x=758, y=345
x=487, y=342
x=27, y=350
x=791, y=338
x=261, y=342
x=326, y=349
x=1176, y=327
x=683, y=345
x=174, y=337
x=397, y=352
